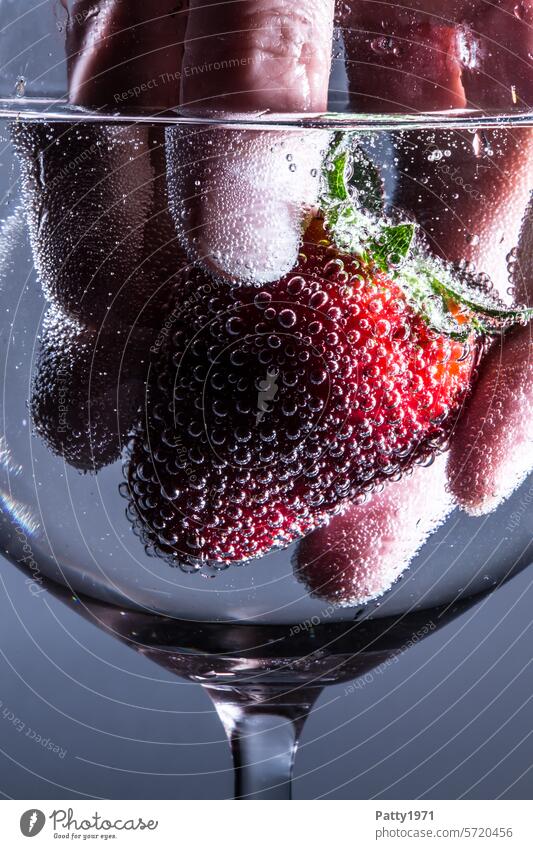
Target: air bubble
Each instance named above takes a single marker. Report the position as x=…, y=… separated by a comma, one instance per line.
x=287, y=318
x=20, y=87
x=295, y=286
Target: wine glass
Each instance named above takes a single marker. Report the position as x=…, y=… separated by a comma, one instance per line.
x=266, y=370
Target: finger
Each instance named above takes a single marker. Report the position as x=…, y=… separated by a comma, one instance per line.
x=402, y=58
x=491, y=451
x=126, y=56
x=253, y=54
x=277, y=44
x=360, y=554
x=86, y=392
x=240, y=199
x=425, y=56
x=468, y=193
x=96, y=204
x=497, y=45
x=521, y=260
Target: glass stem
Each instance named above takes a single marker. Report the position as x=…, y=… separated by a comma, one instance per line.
x=263, y=725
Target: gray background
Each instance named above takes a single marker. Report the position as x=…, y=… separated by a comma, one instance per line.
x=451, y=718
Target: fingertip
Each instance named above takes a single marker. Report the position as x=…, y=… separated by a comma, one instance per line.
x=490, y=453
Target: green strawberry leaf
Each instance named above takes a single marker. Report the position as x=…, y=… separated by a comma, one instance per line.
x=366, y=180
x=349, y=170
x=472, y=301
x=417, y=284
x=431, y=289
x=336, y=175
x=392, y=245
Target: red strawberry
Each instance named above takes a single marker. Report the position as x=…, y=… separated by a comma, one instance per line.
x=356, y=387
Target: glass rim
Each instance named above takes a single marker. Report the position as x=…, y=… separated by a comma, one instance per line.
x=52, y=110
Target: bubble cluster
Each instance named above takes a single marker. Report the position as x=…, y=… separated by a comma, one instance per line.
x=239, y=198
